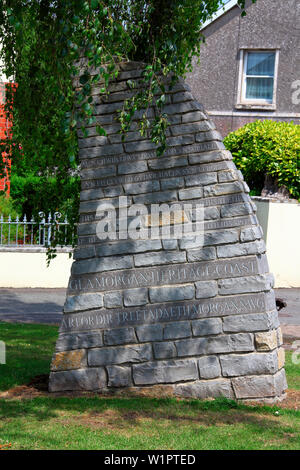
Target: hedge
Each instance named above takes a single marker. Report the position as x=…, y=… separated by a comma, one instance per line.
x=267, y=147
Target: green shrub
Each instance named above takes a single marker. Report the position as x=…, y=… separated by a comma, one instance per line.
x=7, y=207
x=33, y=194
x=267, y=147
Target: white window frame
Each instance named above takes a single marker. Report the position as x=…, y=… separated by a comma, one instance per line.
x=246, y=103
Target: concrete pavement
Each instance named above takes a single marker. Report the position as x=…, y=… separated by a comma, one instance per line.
x=45, y=306
x=290, y=316
x=32, y=305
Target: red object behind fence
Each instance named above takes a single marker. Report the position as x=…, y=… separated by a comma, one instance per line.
x=5, y=127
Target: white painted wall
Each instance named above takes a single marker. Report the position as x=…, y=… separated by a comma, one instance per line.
x=29, y=269
x=281, y=226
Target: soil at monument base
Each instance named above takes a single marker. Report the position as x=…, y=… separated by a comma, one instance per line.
x=38, y=387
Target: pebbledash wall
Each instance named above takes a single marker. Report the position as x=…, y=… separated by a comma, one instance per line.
x=193, y=317
x=270, y=25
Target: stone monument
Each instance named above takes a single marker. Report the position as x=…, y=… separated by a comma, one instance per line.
x=193, y=316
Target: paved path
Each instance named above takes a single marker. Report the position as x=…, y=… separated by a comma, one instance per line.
x=290, y=316
x=45, y=306
x=32, y=305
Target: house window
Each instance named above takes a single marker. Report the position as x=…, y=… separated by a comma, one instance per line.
x=258, y=77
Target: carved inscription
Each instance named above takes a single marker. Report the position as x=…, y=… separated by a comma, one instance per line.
x=92, y=162
x=205, y=202
x=152, y=175
x=174, y=274
x=208, y=225
x=162, y=313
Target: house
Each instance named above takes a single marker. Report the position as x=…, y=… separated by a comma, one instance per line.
x=250, y=66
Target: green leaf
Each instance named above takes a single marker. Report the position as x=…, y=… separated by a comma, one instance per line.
x=84, y=79
x=100, y=130
x=94, y=4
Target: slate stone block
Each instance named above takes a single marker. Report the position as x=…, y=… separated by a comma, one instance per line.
x=240, y=285
x=113, y=299
x=119, y=355
x=76, y=303
x=259, y=386
x=170, y=162
x=149, y=332
x=172, y=183
x=241, y=249
x=213, y=156
x=209, y=367
x=164, y=372
x=103, y=264
x=194, y=193
x=136, y=167
x=165, y=294
x=234, y=365
x=223, y=188
x=234, y=210
x=250, y=234
x=156, y=198
x=242, y=342
x=207, y=326
x=139, y=188
x=71, y=341
x=250, y=322
x=119, y=336
x=77, y=380
x=137, y=297
x=201, y=180
x=180, y=329
x=193, y=117
x=128, y=246
x=119, y=376
x=205, y=389
x=164, y=350
x=202, y=254
x=208, y=136
x=165, y=257
x=206, y=289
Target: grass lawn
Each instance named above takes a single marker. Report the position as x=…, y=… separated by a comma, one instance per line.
x=95, y=422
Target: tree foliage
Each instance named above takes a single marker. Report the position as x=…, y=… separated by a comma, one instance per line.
x=43, y=40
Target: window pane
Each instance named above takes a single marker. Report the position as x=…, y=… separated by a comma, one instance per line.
x=259, y=88
x=261, y=63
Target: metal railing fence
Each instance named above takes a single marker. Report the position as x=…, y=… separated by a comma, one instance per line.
x=41, y=232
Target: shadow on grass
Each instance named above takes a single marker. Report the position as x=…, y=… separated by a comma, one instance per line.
x=134, y=409
x=144, y=423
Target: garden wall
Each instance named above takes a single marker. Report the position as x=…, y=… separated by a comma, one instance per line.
x=27, y=267
x=281, y=226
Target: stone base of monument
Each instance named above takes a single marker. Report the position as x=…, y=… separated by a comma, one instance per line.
x=190, y=316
